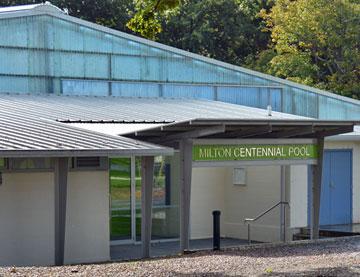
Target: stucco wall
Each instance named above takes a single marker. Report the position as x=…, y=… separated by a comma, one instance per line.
x=207, y=194
x=27, y=219
x=298, y=195
x=355, y=146
x=261, y=192
x=212, y=188
x=87, y=231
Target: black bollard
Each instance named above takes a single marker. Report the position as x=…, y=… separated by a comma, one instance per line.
x=216, y=230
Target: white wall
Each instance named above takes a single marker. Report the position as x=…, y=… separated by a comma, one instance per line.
x=355, y=146
x=261, y=192
x=212, y=188
x=207, y=195
x=298, y=196
x=87, y=223
x=27, y=219
x=27, y=231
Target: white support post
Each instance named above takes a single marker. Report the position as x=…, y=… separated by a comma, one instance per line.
x=185, y=191
x=147, y=179
x=316, y=191
x=60, y=176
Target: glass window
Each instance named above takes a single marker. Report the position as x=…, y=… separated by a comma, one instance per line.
x=120, y=191
x=165, y=212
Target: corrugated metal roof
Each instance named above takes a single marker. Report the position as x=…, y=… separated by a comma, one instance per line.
x=127, y=110
x=47, y=6
x=22, y=136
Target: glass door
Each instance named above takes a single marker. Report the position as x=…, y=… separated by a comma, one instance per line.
x=125, y=199
x=120, y=197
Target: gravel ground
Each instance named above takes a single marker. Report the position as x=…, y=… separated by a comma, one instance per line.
x=339, y=257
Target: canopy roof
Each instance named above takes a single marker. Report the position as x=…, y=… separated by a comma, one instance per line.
x=243, y=128
x=28, y=124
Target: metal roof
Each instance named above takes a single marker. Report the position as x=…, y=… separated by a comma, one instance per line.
x=243, y=128
x=49, y=9
x=91, y=109
x=24, y=135
x=43, y=7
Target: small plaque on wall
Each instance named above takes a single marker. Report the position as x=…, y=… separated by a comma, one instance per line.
x=239, y=176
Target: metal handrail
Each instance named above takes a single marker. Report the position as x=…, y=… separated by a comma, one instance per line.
x=248, y=220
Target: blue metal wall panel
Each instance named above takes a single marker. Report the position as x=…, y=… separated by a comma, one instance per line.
x=328, y=107
x=188, y=91
x=93, y=88
x=179, y=69
x=127, y=68
x=275, y=99
x=96, y=66
x=14, y=32
x=135, y=89
x=22, y=85
x=13, y=61
x=85, y=53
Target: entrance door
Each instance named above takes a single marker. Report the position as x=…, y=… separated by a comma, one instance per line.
x=336, y=188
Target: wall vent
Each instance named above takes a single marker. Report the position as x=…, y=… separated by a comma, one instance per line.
x=87, y=162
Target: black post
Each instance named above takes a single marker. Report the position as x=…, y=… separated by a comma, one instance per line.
x=216, y=230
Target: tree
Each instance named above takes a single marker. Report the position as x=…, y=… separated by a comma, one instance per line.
x=228, y=30
x=147, y=19
x=111, y=13
x=316, y=42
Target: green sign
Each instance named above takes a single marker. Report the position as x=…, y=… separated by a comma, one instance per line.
x=254, y=152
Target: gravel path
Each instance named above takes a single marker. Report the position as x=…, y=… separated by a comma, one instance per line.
x=333, y=258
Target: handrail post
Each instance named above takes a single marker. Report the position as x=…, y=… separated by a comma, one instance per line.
x=249, y=237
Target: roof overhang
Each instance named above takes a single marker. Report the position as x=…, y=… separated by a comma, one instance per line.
x=166, y=151
x=241, y=129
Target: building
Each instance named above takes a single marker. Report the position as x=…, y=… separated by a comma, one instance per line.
x=55, y=67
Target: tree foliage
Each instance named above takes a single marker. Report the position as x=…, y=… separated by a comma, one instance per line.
x=110, y=13
x=316, y=42
x=228, y=30
x=147, y=19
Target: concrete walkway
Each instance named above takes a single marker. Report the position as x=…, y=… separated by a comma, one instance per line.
x=159, y=249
